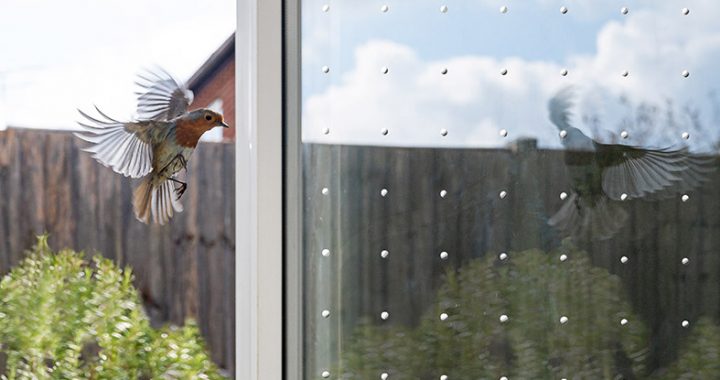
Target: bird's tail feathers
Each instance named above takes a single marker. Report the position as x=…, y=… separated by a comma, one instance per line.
x=155, y=202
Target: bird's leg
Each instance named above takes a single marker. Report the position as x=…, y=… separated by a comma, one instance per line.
x=182, y=160
x=183, y=186
x=180, y=190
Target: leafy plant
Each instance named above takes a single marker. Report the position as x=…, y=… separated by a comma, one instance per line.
x=700, y=356
x=61, y=318
x=497, y=318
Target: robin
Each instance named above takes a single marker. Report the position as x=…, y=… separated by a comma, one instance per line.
x=155, y=147
x=603, y=175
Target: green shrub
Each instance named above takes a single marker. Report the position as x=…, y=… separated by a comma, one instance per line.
x=700, y=354
x=64, y=318
x=534, y=290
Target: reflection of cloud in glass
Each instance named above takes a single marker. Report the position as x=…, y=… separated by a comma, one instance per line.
x=654, y=42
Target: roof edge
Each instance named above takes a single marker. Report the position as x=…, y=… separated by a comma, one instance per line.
x=212, y=63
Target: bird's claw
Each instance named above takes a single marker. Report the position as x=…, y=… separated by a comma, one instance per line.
x=180, y=190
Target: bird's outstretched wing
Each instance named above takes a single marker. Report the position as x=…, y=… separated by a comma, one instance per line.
x=649, y=173
x=559, y=108
x=125, y=147
x=162, y=97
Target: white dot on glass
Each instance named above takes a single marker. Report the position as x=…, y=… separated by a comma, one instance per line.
x=326, y=131
x=503, y=72
x=325, y=8
x=685, y=11
x=624, y=10
x=623, y=196
x=563, y=319
x=325, y=313
x=504, y=318
x=383, y=192
x=384, y=315
x=503, y=256
x=443, y=255
x=444, y=9
x=325, y=69
x=563, y=134
x=503, y=194
x=625, y=73
x=503, y=132
x=685, y=261
x=503, y=9
x=443, y=193
x=564, y=72
x=443, y=132
x=503, y=378
x=326, y=252
x=624, y=259
x=384, y=8
x=326, y=374
x=443, y=377
x=685, y=135
x=444, y=71
x=384, y=376
x=384, y=253
x=325, y=191
x=624, y=134
x=623, y=321
x=384, y=70
x=563, y=196
x=443, y=316
x=563, y=10
x=685, y=198
x=384, y=131
x=685, y=323
x=685, y=73
x=563, y=257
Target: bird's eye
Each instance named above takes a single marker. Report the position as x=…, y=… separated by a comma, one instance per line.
x=208, y=117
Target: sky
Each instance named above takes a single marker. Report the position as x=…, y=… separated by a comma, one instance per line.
x=595, y=41
x=58, y=56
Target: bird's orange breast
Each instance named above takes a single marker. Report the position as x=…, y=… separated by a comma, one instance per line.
x=188, y=132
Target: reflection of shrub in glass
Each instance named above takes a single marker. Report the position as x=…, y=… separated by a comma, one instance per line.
x=532, y=316
x=61, y=318
x=700, y=354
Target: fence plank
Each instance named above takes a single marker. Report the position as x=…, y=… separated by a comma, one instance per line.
x=182, y=270
x=415, y=224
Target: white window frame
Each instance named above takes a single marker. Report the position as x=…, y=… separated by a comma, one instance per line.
x=259, y=308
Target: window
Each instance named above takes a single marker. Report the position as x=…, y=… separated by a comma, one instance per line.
x=507, y=190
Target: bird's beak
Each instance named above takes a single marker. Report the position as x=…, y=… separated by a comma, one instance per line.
x=222, y=124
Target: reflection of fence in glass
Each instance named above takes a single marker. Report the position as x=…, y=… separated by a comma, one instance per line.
x=394, y=221
x=183, y=270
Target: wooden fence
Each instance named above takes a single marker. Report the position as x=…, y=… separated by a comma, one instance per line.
x=186, y=269
x=183, y=270
x=414, y=223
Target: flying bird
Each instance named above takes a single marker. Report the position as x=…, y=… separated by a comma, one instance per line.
x=155, y=146
x=604, y=175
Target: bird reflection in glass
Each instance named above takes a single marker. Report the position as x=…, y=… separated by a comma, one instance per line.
x=602, y=176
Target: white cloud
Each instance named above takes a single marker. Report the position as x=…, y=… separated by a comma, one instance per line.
x=59, y=56
x=473, y=101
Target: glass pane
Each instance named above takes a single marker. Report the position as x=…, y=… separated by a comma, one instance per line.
x=511, y=189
